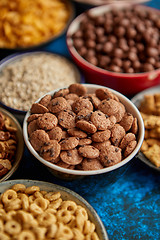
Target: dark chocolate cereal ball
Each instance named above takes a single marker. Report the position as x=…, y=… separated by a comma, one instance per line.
x=121, y=40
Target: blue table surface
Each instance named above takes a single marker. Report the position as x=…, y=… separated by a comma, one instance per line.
x=127, y=199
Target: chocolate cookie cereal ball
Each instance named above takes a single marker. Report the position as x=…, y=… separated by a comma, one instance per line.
x=87, y=136
x=121, y=40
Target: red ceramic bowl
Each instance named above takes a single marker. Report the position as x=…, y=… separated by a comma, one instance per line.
x=126, y=83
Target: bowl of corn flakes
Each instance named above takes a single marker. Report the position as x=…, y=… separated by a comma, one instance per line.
x=11, y=144
x=42, y=210
x=148, y=102
x=30, y=24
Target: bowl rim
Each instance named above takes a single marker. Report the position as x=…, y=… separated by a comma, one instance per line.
x=85, y=63
x=91, y=172
x=17, y=56
x=51, y=39
x=20, y=150
x=65, y=191
x=96, y=3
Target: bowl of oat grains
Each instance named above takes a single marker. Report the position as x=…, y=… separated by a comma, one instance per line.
x=27, y=76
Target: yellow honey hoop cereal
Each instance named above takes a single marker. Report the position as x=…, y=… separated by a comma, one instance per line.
x=28, y=213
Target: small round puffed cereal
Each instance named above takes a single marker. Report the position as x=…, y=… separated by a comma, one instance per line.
x=46, y=219
x=69, y=206
x=32, y=189
x=4, y=236
x=19, y=187
x=64, y=216
x=8, y=196
x=26, y=234
x=52, y=196
x=12, y=227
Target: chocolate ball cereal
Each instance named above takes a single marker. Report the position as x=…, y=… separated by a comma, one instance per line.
x=87, y=136
x=120, y=40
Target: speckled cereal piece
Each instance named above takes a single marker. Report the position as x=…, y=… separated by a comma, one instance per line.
x=69, y=143
x=64, y=134
x=109, y=106
x=88, y=127
x=55, y=133
x=66, y=119
x=50, y=150
x=55, y=161
x=38, y=108
x=71, y=96
x=100, y=120
x=102, y=145
x=75, y=132
x=127, y=121
x=61, y=93
x=71, y=157
x=33, y=117
x=32, y=126
x=47, y=121
x=78, y=89
x=65, y=165
x=69, y=103
x=88, y=151
x=110, y=156
x=112, y=121
x=84, y=114
x=104, y=93
x=134, y=127
x=117, y=133
x=120, y=113
x=101, y=136
x=89, y=164
x=45, y=100
x=82, y=103
x=84, y=141
x=130, y=147
x=57, y=104
x=38, y=138
x=126, y=139
x=94, y=100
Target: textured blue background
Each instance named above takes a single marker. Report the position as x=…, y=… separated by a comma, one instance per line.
x=127, y=199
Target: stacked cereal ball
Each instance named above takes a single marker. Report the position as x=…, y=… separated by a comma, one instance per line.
x=82, y=131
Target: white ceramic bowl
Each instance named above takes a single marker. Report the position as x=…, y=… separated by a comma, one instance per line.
x=20, y=145
x=66, y=194
x=73, y=174
x=102, y=2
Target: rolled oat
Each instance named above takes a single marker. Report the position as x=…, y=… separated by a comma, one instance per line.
x=31, y=76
